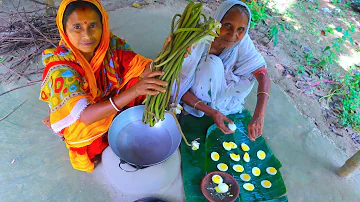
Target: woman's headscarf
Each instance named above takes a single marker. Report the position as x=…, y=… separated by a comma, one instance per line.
x=101, y=51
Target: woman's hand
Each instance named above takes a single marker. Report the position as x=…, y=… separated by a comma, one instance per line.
x=219, y=119
x=150, y=85
x=256, y=126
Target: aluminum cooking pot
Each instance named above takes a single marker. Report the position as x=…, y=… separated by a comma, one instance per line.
x=139, y=144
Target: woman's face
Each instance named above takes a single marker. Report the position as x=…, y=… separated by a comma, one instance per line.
x=233, y=27
x=84, y=30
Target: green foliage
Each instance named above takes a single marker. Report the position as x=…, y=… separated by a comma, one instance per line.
x=258, y=12
x=274, y=31
x=301, y=70
x=1, y=60
x=350, y=115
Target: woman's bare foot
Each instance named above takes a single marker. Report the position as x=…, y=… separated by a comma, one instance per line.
x=96, y=160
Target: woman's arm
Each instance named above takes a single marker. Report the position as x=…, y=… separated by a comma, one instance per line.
x=190, y=99
x=147, y=86
x=257, y=122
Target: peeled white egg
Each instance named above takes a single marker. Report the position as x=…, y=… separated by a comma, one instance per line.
x=232, y=126
x=245, y=147
x=238, y=168
x=222, y=188
x=235, y=157
x=256, y=171
x=227, y=146
x=266, y=184
x=248, y=186
x=261, y=154
x=222, y=167
x=246, y=157
x=217, y=179
x=245, y=177
x=215, y=156
x=271, y=170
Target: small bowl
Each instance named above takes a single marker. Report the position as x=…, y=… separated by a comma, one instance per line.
x=228, y=179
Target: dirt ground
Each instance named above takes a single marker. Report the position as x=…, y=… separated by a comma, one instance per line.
x=301, y=36
x=303, y=22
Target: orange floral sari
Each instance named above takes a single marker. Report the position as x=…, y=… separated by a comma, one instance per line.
x=71, y=83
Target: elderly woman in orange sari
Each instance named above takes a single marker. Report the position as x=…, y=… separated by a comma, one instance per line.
x=90, y=77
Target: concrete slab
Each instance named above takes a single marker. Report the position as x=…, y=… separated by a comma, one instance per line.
x=41, y=170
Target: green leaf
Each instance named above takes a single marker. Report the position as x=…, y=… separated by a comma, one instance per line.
x=327, y=48
x=275, y=40
x=351, y=40
x=192, y=162
x=214, y=140
x=195, y=164
x=346, y=33
x=339, y=29
x=330, y=30
x=282, y=27
x=1, y=60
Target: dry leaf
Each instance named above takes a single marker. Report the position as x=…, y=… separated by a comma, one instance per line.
x=136, y=5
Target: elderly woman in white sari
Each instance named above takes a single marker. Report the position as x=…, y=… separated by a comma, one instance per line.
x=217, y=84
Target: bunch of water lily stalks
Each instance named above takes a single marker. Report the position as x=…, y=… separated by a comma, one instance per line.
x=186, y=30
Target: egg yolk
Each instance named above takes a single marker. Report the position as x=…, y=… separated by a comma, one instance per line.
x=249, y=187
x=246, y=177
x=223, y=166
x=227, y=144
x=267, y=183
x=239, y=168
x=256, y=171
x=233, y=145
x=246, y=156
x=235, y=156
x=216, y=156
x=216, y=179
x=262, y=155
x=272, y=170
x=244, y=147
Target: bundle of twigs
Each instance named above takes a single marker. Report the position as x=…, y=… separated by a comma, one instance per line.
x=23, y=36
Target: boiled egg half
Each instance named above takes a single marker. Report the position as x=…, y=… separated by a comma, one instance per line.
x=238, y=168
x=261, y=154
x=266, y=184
x=245, y=177
x=222, y=188
x=248, y=186
x=222, y=167
x=235, y=157
x=217, y=179
x=256, y=171
x=215, y=156
x=245, y=147
x=233, y=145
x=227, y=146
x=246, y=157
x=271, y=170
